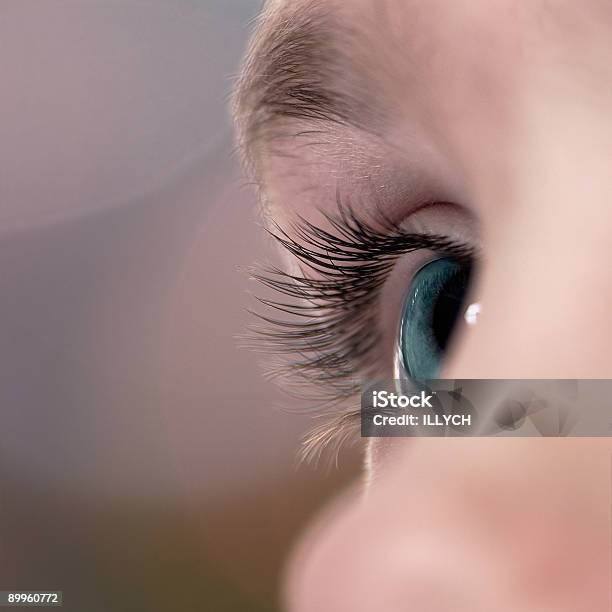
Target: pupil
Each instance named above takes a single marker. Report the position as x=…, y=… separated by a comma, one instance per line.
x=448, y=306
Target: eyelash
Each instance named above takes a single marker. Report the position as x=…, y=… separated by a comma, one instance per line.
x=332, y=334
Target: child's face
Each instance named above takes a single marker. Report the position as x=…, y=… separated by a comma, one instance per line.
x=488, y=122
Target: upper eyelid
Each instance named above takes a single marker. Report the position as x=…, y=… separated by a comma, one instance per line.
x=344, y=267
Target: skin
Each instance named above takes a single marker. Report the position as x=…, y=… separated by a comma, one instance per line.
x=504, y=109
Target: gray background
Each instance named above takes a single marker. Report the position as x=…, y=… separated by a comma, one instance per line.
x=142, y=464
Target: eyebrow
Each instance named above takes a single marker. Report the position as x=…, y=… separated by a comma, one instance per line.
x=296, y=68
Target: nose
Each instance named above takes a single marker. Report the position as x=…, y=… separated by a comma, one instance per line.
x=467, y=525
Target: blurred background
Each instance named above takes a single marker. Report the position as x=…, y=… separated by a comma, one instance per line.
x=143, y=462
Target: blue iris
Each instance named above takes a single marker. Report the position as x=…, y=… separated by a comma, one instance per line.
x=434, y=302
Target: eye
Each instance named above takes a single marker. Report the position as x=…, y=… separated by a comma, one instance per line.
x=435, y=300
